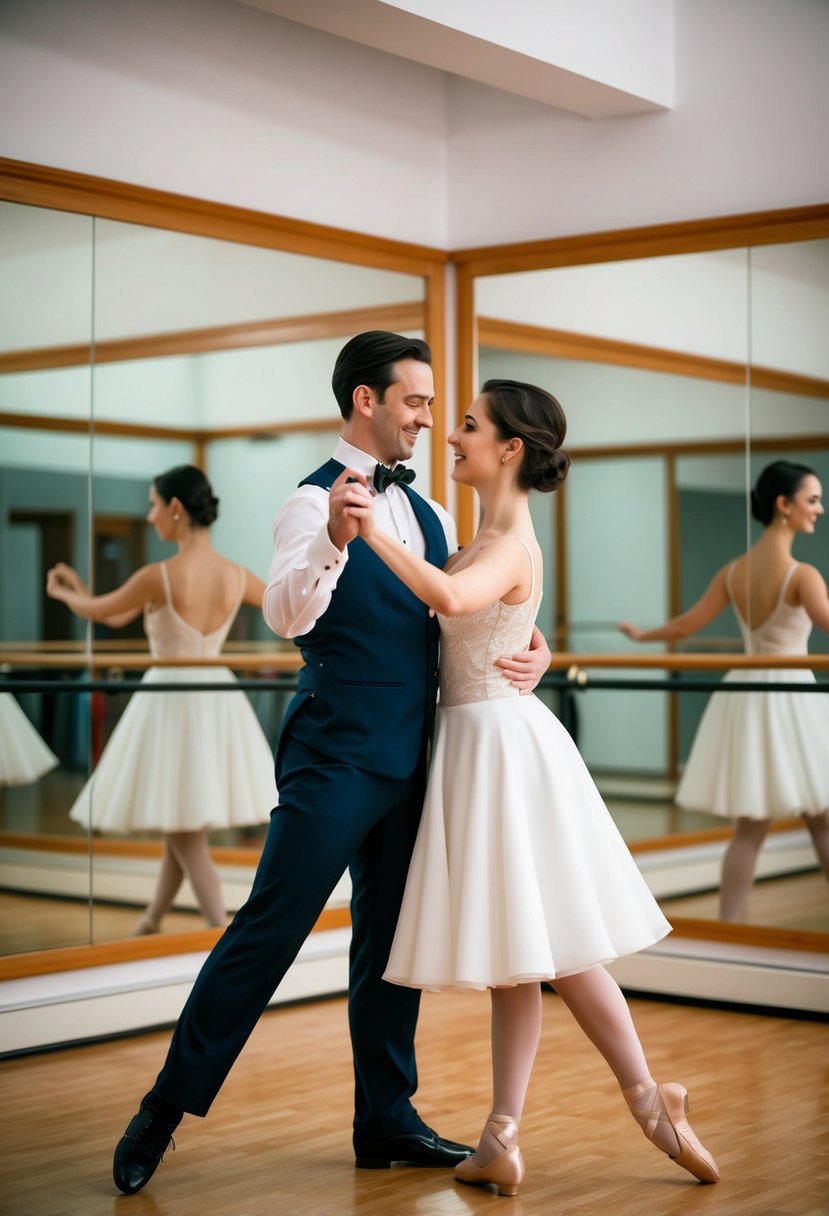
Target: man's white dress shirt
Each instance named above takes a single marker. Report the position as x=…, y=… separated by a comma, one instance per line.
x=306, y=565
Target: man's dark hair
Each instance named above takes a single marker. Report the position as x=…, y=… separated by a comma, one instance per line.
x=369, y=359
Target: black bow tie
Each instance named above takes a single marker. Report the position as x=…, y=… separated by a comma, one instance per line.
x=384, y=477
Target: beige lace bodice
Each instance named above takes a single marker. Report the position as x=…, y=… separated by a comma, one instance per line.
x=784, y=631
x=171, y=637
x=469, y=646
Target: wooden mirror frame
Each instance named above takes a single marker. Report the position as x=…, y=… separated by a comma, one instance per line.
x=61, y=190
x=696, y=236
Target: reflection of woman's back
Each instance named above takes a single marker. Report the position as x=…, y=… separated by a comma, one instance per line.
x=171, y=636
x=784, y=629
x=180, y=761
x=762, y=755
x=758, y=756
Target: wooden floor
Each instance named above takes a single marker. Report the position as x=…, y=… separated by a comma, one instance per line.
x=277, y=1142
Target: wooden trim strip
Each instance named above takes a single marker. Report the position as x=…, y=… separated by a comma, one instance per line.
x=225, y=855
x=688, y=840
x=62, y=190
x=693, y=662
x=435, y=331
x=137, y=430
x=764, y=936
x=282, y=330
x=562, y=344
x=100, y=426
x=714, y=447
x=658, y=240
x=466, y=385
x=287, y=661
x=131, y=950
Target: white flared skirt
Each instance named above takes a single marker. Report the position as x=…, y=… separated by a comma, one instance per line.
x=24, y=757
x=519, y=872
x=760, y=755
x=181, y=761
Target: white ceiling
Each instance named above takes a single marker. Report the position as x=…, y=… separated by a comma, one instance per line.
x=595, y=58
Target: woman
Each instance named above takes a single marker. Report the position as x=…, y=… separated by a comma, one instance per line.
x=178, y=762
x=762, y=756
x=518, y=874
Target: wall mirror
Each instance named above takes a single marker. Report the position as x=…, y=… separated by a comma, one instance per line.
x=686, y=359
x=143, y=331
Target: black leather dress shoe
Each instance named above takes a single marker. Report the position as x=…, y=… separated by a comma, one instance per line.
x=141, y=1148
x=412, y=1148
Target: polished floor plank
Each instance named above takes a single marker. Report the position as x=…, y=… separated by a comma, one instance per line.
x=277, y=1140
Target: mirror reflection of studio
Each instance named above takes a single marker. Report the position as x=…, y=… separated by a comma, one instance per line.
x=199, y=211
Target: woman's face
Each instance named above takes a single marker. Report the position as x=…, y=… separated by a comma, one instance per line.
x=161, y=516
x=476, y=446
x=805, y=507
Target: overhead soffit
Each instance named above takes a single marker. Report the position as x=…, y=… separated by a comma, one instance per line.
x=602, y=59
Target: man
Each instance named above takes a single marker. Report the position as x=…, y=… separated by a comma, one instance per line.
x=351, y=774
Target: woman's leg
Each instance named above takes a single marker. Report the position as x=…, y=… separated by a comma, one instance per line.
x=598, y=1005
x=192, y=852
x=516, y=1030
x=170, y=878
x=818, y=826
x=738, y=866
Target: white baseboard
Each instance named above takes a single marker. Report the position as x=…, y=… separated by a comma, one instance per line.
x=71, y=1006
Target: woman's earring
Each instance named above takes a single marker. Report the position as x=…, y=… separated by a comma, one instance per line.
x=176, y=516
x=503, y=460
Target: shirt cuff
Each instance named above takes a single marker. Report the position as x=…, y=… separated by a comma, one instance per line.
x=325, y=560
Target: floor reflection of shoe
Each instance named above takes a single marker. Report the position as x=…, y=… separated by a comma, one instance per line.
x=652, y=1105
x=506, y=1170
x=141, y=1149
x=146, y=925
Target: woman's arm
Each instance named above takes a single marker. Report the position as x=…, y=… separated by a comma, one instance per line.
x=116, y=608
x=254, y=591
x=814, y=595
x=495, y=572
x=707, y=607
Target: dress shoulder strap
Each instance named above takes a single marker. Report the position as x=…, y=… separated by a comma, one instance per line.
x=165, y=578
x=531, y=596
x=787, y=578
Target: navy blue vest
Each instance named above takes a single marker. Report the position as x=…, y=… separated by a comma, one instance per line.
x=367, y=691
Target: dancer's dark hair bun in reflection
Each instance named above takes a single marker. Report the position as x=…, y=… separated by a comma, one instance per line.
x=529, y=413
x=780, y=477
x=190, y=486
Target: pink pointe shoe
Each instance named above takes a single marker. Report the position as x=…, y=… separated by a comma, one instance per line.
x=652, y=1105
x=506, y=1170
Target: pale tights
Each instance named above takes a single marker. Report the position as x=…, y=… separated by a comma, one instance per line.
x=740, y=860
x=598, y=1005
x=187, y=854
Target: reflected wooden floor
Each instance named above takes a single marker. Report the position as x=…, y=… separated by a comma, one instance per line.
x=797, y=901
x=277, y=1140
x=37, y=922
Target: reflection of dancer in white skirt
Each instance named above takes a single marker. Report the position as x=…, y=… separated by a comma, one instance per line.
x=24, y=757
x=518, y=874
x=762, y=756
x=179, y=762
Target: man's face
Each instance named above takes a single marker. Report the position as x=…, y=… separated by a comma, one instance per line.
x=398, y=419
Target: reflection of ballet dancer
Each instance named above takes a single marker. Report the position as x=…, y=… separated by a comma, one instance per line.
x=758, y=757
x=518, y=873
x=24, y=757
x=178, y=762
